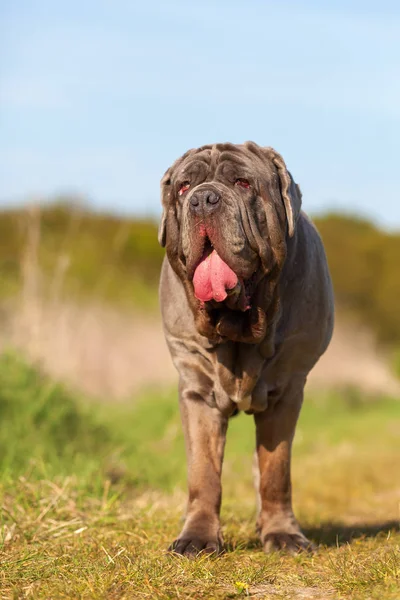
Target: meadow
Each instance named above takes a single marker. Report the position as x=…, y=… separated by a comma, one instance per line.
x=92, y=470
x=92, y=493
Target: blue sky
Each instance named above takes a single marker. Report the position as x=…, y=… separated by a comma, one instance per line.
x=99, y=97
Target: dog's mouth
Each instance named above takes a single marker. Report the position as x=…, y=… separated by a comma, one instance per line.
x=215, y=282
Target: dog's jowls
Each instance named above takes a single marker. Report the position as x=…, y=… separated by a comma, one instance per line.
x=247, y=308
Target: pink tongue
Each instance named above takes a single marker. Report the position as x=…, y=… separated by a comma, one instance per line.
x=212, y=278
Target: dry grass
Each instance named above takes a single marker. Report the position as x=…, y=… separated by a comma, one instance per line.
x=99, y=350
x=354, y=359
x=56, y=545
x=67, y=531
x=112, y=353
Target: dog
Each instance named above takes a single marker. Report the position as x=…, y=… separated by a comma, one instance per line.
x=247, y=307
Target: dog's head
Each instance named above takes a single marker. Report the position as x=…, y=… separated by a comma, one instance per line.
x=228, y=211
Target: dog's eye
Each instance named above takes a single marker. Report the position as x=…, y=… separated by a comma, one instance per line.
x=184, y=187
x=242, y=183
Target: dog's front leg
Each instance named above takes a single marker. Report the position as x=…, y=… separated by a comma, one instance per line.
x=275, y=427
x=205, y=432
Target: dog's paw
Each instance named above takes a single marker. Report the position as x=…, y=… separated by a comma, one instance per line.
x=286, y=542
x=193, y=546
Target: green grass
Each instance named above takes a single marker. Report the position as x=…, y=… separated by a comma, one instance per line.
x=92, y=494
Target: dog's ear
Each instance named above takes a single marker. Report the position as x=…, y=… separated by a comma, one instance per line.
x=165, y=199
x=290, y=191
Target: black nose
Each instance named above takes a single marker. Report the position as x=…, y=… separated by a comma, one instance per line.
x=204, y=200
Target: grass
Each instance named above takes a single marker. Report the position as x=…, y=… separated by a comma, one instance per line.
x=85, y=254
x=92, y=494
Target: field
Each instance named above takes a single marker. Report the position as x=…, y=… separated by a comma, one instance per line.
x=92, y=493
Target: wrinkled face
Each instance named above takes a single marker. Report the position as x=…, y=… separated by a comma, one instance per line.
x=225, y=223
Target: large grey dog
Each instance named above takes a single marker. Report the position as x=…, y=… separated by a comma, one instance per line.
x=247, y=308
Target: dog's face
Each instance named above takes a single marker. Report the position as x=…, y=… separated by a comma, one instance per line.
x=228, y=210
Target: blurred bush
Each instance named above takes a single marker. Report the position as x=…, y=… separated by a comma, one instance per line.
x=66, y=247
x=364, y=263
x=86, y=253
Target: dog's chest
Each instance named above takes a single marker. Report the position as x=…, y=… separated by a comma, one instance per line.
x=239, y=381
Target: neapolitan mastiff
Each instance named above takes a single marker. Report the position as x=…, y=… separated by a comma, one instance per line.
x=247, y=308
